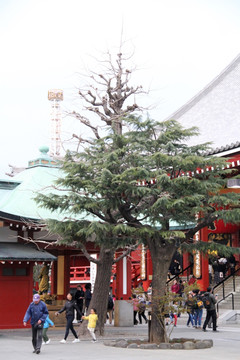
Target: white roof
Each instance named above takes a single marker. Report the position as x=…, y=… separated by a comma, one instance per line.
x=216, y=109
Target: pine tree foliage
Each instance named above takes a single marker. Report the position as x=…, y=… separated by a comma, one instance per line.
x=103, y=184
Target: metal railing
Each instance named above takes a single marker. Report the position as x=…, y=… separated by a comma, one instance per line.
x=185, y=272
x=225, y=281
x=230, y=294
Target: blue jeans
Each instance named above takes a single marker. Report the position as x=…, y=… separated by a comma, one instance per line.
x=198, y=317
x=190, y=319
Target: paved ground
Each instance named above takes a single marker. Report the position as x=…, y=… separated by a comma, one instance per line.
x=16, y=345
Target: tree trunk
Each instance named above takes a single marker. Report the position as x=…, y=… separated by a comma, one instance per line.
x=161, y=259
x=99, y=299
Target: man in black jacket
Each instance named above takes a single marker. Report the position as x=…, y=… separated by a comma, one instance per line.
x=79, y=297
x=211, y=309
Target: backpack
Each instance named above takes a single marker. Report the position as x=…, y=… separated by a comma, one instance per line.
x=142, y=305
x=200, y=304
x=207, y=301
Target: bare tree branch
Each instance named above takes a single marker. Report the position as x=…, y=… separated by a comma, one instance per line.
x=85, y=252
x=86, y=122
x=126, y=252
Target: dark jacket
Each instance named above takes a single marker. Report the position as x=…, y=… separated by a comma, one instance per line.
x=69, y=308
x=213, y=301
x=88, y=297
x=190, y=305
x=36, y=312
x=79, y=294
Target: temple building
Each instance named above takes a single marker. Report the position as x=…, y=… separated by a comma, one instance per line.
x=216, y=111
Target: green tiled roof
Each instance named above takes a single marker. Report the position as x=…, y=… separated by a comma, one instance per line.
x=20, y=201
x=17, y=196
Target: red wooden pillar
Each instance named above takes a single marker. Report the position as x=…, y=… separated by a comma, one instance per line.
x=123, y=279
x=185, y=260
x=66, y=275
x=204, y=280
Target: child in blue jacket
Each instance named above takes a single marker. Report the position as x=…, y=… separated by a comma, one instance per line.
x=47, y=322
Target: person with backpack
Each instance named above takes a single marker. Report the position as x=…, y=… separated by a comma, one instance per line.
x=209, y=301
x=141, y=309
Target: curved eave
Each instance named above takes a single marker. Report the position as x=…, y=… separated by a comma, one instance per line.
x=17, y=218
x=23, y=252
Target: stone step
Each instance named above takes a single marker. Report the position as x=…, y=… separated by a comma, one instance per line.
x=228, y=288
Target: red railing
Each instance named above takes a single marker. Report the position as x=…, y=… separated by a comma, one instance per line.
x=82, y=273
x=79, y=273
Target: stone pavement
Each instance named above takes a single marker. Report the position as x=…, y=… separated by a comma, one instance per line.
x=16, y=345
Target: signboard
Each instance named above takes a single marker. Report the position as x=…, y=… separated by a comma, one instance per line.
x=197, y=270
x=143, y=263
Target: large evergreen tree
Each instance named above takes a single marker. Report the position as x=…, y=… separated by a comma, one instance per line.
x=135, y=185
x=107, y=98
x=132, y=184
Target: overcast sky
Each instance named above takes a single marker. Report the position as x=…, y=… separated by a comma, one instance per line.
x=179, y=46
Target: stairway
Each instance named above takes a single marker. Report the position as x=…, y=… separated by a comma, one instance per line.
x=228, y=288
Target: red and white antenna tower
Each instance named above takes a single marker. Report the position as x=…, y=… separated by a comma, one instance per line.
x=55, y=96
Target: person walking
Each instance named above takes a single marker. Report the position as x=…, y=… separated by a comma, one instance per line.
x=110, y=308
x=46, y=324
x=198, y=310
x=135, y=308
x=209, y=301
x=79, y=297
x=175, y=287
x=37, y=312
x=141, y=309
x=215, y=266
x=174, y=313
x=69, y=307
x=190, y=309
x=92, y=322
x=87, y=297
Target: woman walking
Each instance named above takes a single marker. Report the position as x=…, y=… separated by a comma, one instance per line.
x=190, y=309
x=69, y=307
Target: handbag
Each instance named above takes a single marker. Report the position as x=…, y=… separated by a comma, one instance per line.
x=38, y=326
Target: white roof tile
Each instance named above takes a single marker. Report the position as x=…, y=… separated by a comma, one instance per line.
x=216, y=109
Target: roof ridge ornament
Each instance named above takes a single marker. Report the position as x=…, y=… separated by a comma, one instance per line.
x=44, y=159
